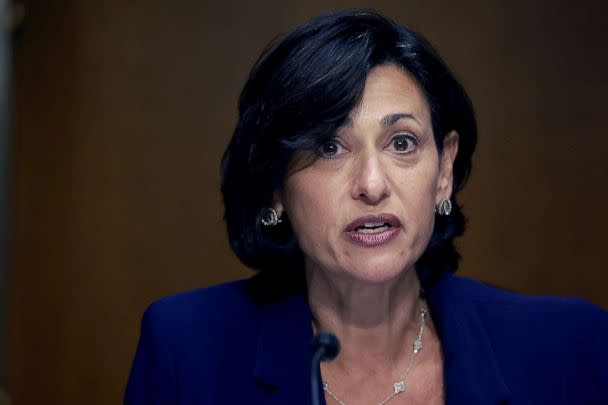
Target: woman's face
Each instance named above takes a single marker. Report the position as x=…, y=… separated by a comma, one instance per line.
x=364, y=207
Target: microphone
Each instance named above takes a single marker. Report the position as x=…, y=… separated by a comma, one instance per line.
x=325, y=347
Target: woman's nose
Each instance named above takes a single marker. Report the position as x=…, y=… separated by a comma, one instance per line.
x=370, y=183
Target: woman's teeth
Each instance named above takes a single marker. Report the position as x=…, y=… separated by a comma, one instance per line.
x=373, y=228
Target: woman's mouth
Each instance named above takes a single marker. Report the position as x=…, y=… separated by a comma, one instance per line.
x=373, y=230
x=373, y=227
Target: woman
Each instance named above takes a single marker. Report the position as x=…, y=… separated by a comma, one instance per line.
x=339, y=186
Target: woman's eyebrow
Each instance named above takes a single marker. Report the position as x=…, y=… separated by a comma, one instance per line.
x=390, y=119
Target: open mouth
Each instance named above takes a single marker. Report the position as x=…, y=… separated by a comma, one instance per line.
x=374, y=230
x=373, y=227
x=374, y=223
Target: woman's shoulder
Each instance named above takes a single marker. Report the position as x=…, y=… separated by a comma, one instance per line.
x=545, y=329
x=556, y=342
x=207, y=334
x=200, y=328
x=494, y=301
x=215, y=305
x=215, y=310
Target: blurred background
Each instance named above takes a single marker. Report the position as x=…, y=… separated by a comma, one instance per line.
x=121, y=111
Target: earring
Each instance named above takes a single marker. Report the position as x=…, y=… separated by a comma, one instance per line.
x=270, y=217
x=444, y=207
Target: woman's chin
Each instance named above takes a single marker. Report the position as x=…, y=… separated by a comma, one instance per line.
x=377, y=272
x=378, y=268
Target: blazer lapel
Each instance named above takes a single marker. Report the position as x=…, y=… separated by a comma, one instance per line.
x=283, y=357
x=471, y=374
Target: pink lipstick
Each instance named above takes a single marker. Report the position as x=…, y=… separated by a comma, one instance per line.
x=373, y=230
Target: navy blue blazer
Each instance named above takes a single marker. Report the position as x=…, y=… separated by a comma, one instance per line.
x=247, y=342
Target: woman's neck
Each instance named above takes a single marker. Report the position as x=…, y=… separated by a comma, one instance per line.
x=376, y=323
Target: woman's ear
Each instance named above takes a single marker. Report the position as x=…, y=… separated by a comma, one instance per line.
x=445, y=181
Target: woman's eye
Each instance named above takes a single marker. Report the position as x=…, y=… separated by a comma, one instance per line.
x=330, y=149
x=404, y=143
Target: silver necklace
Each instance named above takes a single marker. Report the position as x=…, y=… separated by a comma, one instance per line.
x=399, y=385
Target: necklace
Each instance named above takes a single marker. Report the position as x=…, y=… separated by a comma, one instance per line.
x=399, y=385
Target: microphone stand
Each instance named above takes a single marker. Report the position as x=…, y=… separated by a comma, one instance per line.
x=325, y=347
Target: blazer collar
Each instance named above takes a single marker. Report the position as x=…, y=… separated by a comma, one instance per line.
x=471, y=373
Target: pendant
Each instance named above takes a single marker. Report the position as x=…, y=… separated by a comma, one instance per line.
x=399, y=386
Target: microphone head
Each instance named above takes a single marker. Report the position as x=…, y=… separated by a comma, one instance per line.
x=327, y=343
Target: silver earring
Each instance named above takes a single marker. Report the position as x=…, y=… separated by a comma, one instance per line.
x=270, y=217
x=444, y=207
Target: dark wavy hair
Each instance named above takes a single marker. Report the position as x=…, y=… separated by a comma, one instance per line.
x=298, y=94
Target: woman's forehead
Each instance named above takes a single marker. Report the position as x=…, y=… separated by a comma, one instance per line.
x=390, y=94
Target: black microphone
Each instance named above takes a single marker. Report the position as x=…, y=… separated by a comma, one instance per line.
x=325, y=346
